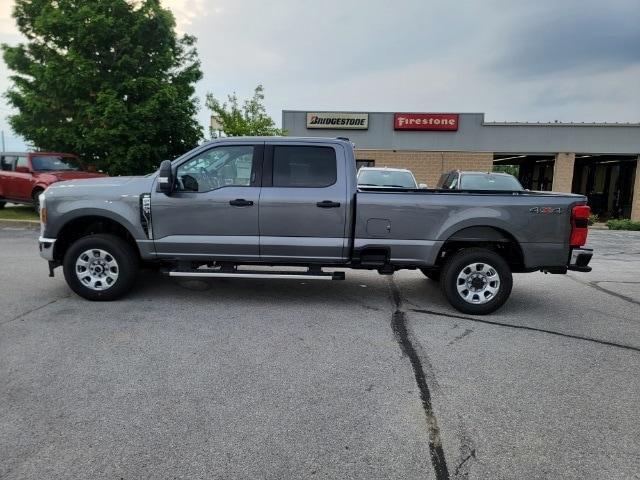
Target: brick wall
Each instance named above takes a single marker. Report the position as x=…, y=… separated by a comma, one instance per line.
x=563, y=172
x=427, y=166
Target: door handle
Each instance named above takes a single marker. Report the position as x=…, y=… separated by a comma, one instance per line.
x=241, y=202
x=328, y=204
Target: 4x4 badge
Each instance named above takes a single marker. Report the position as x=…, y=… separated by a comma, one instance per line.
x=546, y=210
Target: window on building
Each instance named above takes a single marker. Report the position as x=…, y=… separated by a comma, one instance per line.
x=365, y=163
x=300, y=166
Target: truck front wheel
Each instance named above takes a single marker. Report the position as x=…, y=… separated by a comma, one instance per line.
x=100, y=267
x=476, y=281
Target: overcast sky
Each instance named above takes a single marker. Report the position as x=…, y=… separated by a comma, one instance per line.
x=520, y=60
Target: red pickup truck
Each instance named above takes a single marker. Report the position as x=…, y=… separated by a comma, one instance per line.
x=24, y=176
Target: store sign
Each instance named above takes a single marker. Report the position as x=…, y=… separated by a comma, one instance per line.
x=340, y=121
x=426, y=121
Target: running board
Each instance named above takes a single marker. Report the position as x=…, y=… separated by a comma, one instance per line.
x=315, y=275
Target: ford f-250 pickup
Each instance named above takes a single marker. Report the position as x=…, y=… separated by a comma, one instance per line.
x=239, y=202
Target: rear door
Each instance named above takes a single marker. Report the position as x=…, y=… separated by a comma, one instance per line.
x=22, y=184
x=303, y=203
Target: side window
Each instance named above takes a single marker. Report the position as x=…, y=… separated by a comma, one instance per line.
x=22, y=162
x=219, y=167
x=453, y=182
x=7, y=163
x=300, y=166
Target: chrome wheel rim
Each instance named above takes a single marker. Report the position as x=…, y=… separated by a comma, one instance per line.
x=478, y=283
x=97, y=269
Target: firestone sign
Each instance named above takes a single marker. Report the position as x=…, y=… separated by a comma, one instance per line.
x=340, y=121
x=426, y=121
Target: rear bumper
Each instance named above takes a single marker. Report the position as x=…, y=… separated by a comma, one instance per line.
x=46, y=247
x=579, y=260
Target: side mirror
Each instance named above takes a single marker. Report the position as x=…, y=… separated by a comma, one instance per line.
x=165, y=178
x=423, y=185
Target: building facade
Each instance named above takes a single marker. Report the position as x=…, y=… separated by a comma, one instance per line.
x=599, y=160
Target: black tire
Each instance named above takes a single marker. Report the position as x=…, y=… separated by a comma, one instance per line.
x=431, y=274
x=35, y=199
x=2, y=204
x=126, y=266
x=456, y=266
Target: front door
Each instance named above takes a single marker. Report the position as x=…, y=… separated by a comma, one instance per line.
x=213, y=210
x=303, y=207
x=22, y=185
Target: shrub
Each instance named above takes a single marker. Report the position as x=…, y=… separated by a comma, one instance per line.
x=593, y=218
x=623, y=224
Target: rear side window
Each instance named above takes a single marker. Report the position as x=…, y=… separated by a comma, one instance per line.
x=22, y=162
x=300, y=166
x=7, y=162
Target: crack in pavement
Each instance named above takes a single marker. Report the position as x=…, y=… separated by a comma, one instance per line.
x=403, y=336
x=472, y=454
x=524, y=327
x=595, y=286
x=466, y=332
x=35, y=309
x=616, y=281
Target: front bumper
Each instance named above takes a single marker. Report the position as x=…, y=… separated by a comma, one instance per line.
x=46, y=246
x=580, y=258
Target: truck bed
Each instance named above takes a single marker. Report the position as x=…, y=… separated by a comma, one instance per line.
x=414, y=223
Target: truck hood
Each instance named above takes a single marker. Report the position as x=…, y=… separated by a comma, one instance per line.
x=133, y=185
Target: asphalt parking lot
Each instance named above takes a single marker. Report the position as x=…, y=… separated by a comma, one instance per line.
x=374, y=377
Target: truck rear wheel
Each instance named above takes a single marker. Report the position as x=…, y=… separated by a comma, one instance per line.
x=476, y=281
x=100, y=267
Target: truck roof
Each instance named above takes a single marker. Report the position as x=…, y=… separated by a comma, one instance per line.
x=281, y=139
x=475, y=172
x=390, y=169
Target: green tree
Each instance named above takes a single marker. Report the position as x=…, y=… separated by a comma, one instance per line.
x=249, y=119
x=107, y=79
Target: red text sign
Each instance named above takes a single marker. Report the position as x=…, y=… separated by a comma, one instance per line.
x=425, y=121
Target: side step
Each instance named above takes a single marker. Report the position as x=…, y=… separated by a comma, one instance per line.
x=211, y=273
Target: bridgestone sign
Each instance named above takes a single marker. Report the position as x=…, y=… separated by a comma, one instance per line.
x=338, y=121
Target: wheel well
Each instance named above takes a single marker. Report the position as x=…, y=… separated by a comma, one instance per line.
x=84, y=226
x=36, y=190
x=492, y=238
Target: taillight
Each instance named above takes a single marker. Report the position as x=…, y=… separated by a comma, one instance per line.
x=579, y=225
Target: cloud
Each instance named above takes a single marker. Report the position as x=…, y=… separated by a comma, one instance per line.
x=186, y=11
x=568, y=60
x=573, y=36
x=7, y=23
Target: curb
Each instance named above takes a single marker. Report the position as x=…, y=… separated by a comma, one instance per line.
x=599, y=226
x=26, y=224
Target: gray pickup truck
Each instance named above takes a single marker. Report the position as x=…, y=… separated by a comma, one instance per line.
x=239, y=202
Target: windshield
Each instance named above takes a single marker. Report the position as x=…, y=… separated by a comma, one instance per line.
x=487, y=181
x=386, y=178
x=45, y=163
